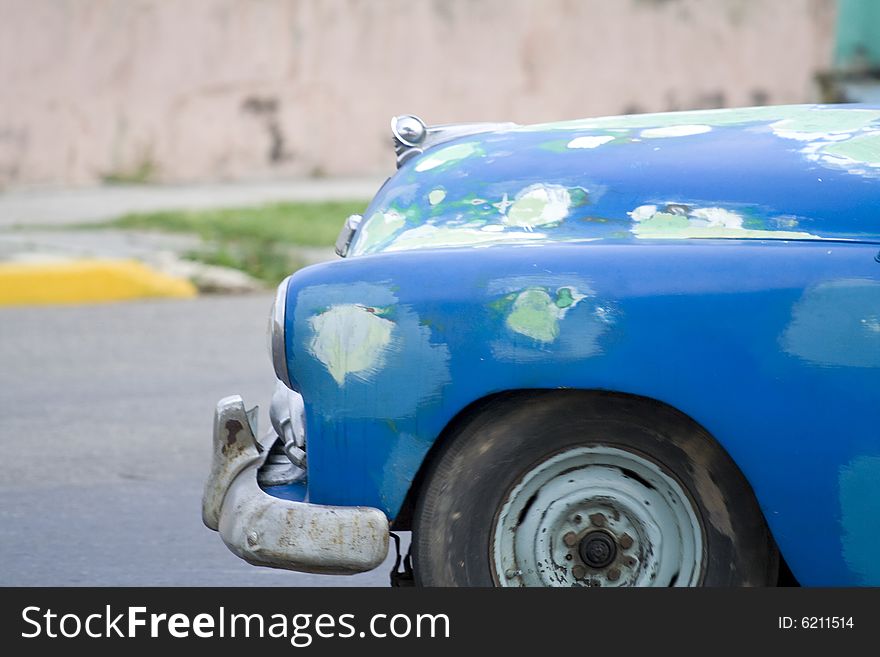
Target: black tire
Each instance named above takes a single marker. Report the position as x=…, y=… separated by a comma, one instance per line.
x=483, y=459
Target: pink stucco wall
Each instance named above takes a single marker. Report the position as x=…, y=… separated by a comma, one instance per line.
x=183, y=90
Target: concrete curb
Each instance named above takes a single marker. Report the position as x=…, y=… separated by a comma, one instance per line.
x=86, y=281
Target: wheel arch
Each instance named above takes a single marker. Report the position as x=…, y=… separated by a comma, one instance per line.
x=497, y=402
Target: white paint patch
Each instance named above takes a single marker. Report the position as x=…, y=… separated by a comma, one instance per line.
x=429, y=236
x=436, y=196
x=787, y=222
x=675, y=131
x=804, y=136
x=539, y=205
x=591, y=141
x=643, y=212
x=503, y=204
x=871, y=324
x=350, y=339
x=715, y=218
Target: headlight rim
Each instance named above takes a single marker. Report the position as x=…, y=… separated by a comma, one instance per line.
x=277, y=333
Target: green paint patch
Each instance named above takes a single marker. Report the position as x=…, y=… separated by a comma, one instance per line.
x=555, y=146
x=539, y=205
x=445, y=157
x=796, y=122
x=859, y=500
x=503, y=303
x=534, y=315
x=647, y=231
x=661, y=223
x=827, y=121
x=862, y=148
x=682, y=130
x=564, y=298
x=378, y=229
x=701, y=223
x=436, y=196
x=736, y=233
x=350, y=340
x=717, y=117
x=833, y=324
x=786, y=222
x=351, y=352
x=578, y=197
x=831, y=132
x=431, y=236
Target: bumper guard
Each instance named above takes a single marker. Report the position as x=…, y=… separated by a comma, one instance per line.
x=269, y=531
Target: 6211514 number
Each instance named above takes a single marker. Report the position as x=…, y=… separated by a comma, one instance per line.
x=816, y=623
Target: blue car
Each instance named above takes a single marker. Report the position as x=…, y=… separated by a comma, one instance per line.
x=624, y=351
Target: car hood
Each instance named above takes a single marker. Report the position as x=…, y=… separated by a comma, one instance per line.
x=804, y=172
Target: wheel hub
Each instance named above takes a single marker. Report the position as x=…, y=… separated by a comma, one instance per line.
x=597, y=516
x=597, y=549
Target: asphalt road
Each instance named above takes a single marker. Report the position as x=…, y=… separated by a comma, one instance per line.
x=105, y=431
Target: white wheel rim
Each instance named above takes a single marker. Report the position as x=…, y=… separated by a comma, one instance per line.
x=597, y=516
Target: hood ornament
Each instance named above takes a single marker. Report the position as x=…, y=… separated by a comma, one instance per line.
x=413, y=137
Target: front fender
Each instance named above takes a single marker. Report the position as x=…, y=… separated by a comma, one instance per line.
x=388, y=349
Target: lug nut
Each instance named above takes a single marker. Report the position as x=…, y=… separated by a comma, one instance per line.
x=626, y=541
x=598, y=519
x=578, y=572
x=570, y=539
x=613, y=575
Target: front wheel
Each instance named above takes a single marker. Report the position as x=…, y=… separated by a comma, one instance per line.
x=568, y=488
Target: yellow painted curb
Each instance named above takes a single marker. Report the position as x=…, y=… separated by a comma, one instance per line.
x=86, y=281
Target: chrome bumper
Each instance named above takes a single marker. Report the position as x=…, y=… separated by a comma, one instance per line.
x=269, y=531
